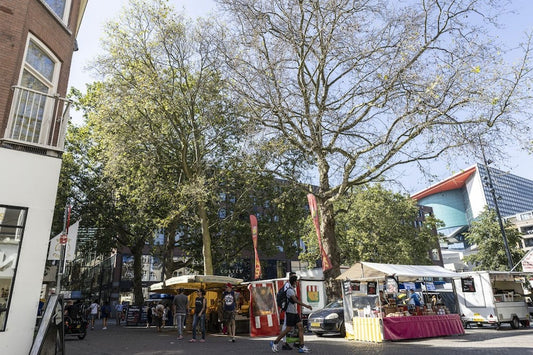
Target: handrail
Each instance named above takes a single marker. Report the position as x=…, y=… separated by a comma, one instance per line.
x=37, y=119
x=50, y=315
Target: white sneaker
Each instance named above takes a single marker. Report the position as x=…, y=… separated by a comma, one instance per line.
x=104, y=328
x=304, y=349
x=274, y=347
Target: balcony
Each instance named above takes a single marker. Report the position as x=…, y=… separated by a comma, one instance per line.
x=37, y=122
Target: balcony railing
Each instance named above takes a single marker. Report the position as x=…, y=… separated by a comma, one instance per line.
x=37, y=119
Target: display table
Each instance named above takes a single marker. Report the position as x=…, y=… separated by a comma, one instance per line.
x=411, y=327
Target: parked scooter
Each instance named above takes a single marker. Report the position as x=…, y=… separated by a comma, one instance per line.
x=74, y=321
x=76, y=326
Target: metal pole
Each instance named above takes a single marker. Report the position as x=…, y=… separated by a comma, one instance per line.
x=495, y=200
x=60, y=269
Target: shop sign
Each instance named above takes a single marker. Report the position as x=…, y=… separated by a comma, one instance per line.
x=347, y=287
x=468, y=285
x=371, y=288
x=391, y=285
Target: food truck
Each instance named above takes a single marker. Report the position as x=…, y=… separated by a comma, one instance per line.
x=493, y=297
x=214, y=285
x=376, y=307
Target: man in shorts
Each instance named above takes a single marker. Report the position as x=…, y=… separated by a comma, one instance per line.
x=229, y=307
x=293, y=318
x=94, y=308
x=286, y=286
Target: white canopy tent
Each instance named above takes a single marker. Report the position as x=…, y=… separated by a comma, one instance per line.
x=193, y=282
x=364, y=271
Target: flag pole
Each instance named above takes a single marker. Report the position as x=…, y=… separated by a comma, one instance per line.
x=64, y=234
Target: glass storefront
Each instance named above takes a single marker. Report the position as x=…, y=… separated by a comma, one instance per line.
x=12, y=221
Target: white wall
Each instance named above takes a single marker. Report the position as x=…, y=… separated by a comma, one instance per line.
x=477, y=200
x=27, y=180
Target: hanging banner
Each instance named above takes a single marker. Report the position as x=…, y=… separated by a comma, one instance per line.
x=264, y=318
x=326, y=263
x=54, y=252
x=253, y=223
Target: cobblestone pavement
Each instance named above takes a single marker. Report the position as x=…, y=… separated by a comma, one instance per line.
x=118, y=340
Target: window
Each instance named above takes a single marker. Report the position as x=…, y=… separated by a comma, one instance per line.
x=467, y=284
x=60, y=8
x=32, y=105
x=12, y=221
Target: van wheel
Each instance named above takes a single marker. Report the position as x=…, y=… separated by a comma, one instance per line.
x=515, y=323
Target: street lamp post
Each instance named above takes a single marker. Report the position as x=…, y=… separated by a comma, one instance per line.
x=495, y=200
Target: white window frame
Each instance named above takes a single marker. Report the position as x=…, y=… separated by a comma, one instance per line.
x=66, y=12
x=48, y=112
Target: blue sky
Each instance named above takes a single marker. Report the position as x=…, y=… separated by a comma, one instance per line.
x=98, y=12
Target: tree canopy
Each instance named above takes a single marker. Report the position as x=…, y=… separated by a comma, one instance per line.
x=377, y=225
x=486, y=237
x=166, y=141
x=345, y=91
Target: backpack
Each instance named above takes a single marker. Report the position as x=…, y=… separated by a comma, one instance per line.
x=281, y=298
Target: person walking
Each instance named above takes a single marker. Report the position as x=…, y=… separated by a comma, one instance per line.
x=158, y=316
x=149, y=315
x=200, y=306
x=286, y=286
x=93, y=312
x=106, y=312
x=118, y=313
x=293, y=319
x=229, y=302
x=180, y=307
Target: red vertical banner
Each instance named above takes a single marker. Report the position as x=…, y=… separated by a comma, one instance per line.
x=253, y=223
x=326, y=263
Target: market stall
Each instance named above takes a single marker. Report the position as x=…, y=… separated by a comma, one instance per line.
x=214, y=285
x=394, y=302
x=264, y=318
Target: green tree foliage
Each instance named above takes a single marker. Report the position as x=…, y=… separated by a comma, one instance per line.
x=164, y=106
x=377, y=225
x=278, y=206
x=106, y=198
x=485, y=234
x=352, y=89
x=167, y=140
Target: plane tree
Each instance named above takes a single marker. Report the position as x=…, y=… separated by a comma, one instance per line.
x=377, y=225
x=172, y=138
x=343, y=92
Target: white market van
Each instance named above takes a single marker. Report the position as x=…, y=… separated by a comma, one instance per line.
x=492, y=297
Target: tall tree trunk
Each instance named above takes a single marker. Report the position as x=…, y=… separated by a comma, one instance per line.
x=137, y=251
x=327, y=230
x=169, y=245
x=329, y=242
x=206, y=239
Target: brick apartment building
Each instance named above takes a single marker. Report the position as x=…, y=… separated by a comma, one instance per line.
x=37, y=42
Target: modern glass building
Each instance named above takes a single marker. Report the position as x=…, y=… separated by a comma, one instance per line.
x=459, y=199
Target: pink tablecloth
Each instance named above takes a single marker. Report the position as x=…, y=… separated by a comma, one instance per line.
x=396, y=328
